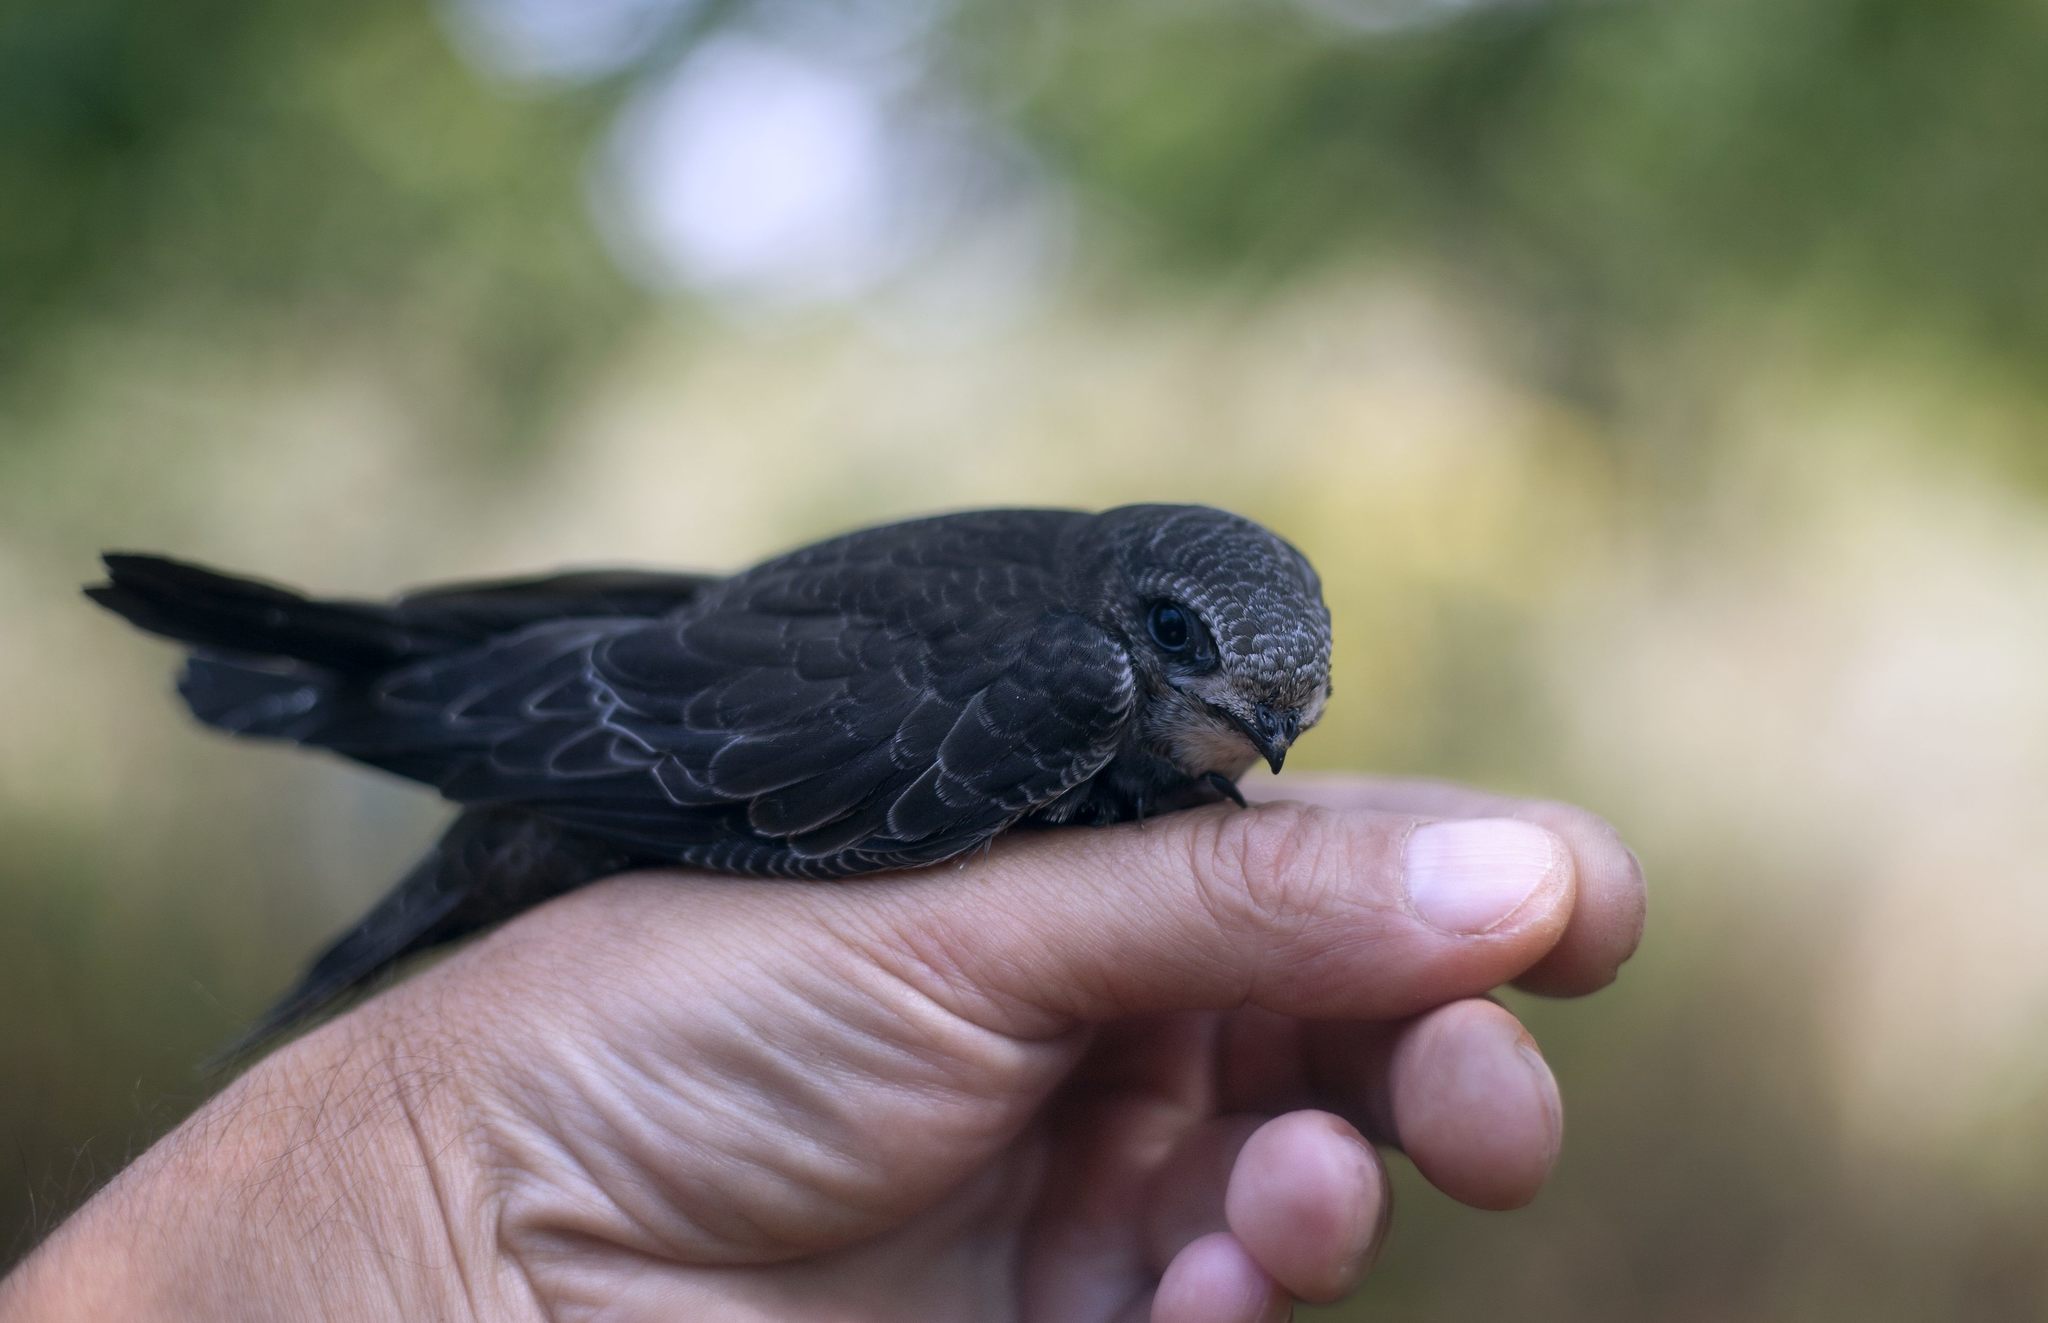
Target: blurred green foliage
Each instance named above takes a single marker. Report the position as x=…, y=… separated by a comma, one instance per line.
x=222, y=167
x=1655, y=381
x=1601, y=171
x=1638, y=157
x=1604, y=172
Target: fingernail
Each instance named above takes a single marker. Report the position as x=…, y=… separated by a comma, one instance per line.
x=1467, y=876
x=1372, y=1177
x=1546, y=1093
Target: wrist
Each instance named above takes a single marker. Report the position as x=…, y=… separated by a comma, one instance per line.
x=333, y=1180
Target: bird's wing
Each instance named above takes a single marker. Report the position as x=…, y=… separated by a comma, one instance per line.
x=501, y=605
x=827, y=716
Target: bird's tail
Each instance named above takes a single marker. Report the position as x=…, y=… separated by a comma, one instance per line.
x=265, y=658
x=270, y=662
x=222, y=612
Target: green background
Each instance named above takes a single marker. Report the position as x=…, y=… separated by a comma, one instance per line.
x=1657, y=383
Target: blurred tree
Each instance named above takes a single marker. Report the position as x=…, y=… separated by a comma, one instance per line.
x=227, y=168
x=1606, y=174
x=1606, y=170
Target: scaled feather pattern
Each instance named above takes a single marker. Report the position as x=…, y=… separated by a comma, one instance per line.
x=882, y=700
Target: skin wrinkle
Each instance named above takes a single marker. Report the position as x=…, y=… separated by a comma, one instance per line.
x=409, y=1092
x=775, y=1076
x=526, y=1236
x=1246, y=867
x=943, y=1028
x=815, y=1105
x=1352, y=951
x=431, y=1165
x=312, y=1158
x=610, y=1159
x=986, y=1205
x=584, y=1274
x=996, y=1125
x=1287, y=848
x=1216, y=856
x=556, y=1287
x=843, y=1011
x=750, y=1073
x=560, y=1131
x=937, y=946
x=742, y=1074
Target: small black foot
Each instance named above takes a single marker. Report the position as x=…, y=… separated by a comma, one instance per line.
x=1225, y=787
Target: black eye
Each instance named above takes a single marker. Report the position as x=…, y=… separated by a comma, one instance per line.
x=1170, y=626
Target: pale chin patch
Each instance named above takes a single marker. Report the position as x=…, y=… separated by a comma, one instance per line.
x=1200, y=743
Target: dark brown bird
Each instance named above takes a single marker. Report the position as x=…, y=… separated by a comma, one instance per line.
x=886, y=699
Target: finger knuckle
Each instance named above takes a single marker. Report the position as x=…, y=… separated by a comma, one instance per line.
x=1266, y=870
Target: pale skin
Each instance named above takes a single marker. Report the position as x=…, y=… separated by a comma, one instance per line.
x=1118, y=1074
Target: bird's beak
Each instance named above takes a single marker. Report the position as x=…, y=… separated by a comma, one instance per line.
x=1272, y=731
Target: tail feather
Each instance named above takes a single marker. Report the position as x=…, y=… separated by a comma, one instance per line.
x=224, y=613
x=281, y=700
x=270, y=662
x=267, y=661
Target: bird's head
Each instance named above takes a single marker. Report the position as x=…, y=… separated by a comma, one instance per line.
x=1227, y=632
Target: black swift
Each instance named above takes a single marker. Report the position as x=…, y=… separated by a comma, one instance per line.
x=886, y=699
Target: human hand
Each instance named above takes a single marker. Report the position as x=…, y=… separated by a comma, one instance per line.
x=1127, y=1073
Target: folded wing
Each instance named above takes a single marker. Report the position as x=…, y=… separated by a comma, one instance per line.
x=815, y=719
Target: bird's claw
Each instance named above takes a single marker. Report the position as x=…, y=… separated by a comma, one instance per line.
x=1225, y=787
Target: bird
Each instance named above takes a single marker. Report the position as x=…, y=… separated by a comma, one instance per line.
x=887, y=699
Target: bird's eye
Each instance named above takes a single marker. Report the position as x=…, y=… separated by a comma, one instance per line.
x=1170, y=626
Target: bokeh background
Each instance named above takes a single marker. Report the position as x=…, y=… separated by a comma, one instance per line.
x=1658, y=384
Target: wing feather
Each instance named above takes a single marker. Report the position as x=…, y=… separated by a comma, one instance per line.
x=842, y=710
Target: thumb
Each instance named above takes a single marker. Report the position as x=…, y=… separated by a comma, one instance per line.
x=1306, y=911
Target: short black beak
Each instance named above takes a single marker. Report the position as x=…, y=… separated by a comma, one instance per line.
x=1272, y=731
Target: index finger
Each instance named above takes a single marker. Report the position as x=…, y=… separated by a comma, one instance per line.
x=1607, y=922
